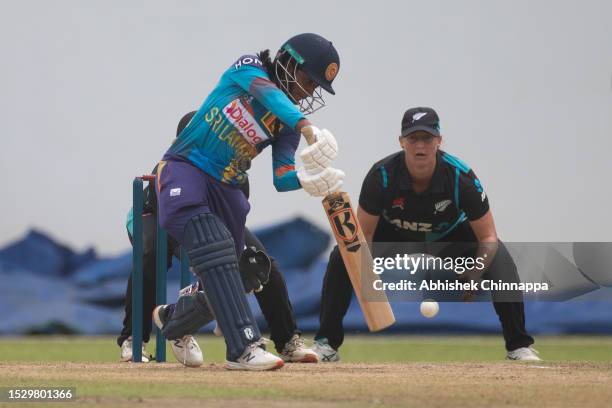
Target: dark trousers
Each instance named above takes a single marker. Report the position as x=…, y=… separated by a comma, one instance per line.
x=273, y=299
x=337, y=292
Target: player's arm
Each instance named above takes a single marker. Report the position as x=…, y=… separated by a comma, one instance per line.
x=302, y=124
x=256, y=83
x=320, y=182
x=283, y=161
x=484, y=229
x=475, y=203
x=368, y=223
x=371, y=202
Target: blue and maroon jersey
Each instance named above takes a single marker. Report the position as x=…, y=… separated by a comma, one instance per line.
x=236, y=122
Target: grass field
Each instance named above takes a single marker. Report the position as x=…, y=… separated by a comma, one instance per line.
x=375, y=371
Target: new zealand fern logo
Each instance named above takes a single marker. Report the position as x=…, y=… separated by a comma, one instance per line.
x=442, y=205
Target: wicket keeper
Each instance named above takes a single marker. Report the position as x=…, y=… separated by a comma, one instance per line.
x=423, y=185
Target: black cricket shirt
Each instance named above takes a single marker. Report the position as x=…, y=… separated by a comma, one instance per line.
x=453, y=197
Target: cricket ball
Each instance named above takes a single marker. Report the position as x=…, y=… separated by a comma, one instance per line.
x=429, y=308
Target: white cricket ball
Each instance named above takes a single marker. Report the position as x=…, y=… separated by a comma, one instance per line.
x=429, y=308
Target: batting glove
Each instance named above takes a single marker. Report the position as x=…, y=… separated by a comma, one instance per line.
x=322, y=184
x=320, y=154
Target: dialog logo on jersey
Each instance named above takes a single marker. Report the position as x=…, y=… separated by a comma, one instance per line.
x=238, y=115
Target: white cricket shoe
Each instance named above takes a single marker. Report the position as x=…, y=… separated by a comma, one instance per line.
x=325, y=352
x=523, y=354
x=255, y=358
x=185, y=349
x=296, y=352
x=126, y=351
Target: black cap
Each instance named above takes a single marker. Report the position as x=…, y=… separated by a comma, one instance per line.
x=316, y=56
x=425, y=119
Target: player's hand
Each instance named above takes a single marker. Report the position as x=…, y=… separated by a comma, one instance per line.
x=474, y=275
x=310, y=133
x=326, y=182
x=320, y=154
x=254, y=268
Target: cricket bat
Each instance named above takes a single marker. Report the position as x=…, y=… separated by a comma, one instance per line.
x=358, y=261
x=357, y=258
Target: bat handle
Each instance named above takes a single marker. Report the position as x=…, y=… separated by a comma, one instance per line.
x=333, y=196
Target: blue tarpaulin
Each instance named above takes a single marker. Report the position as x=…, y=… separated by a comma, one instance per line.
x=50, y=288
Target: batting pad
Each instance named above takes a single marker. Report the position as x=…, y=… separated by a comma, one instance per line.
x=190, y=313
x=211, y=252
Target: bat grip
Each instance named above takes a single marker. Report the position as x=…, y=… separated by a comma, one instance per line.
x=333, y=196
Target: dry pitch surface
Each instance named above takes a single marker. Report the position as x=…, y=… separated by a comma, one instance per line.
x=409, y=383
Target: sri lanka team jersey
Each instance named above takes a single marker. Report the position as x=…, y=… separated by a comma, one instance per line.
x=236, y=122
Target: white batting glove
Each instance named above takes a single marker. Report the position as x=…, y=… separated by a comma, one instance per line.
x=322, y=184
x=320, y=154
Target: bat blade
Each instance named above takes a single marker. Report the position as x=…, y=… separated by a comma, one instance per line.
x=358, y=261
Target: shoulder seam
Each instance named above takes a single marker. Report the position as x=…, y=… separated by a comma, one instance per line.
x=242, y=60
x=456, y=162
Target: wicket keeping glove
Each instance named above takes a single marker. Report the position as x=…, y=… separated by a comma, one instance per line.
x=254, y=268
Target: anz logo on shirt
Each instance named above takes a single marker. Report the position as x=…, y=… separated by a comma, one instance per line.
x=414, y=226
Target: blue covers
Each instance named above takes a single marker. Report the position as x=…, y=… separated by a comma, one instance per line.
x=50, y=288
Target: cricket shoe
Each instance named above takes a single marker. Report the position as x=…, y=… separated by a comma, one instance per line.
x=296, y=352
x=255, y=358
x=185, y=349
x=126, y=351
x=523, y=354
x=325, y=352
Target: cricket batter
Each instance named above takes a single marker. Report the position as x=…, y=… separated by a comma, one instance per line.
x=273, y=297
x=201, y=205
x=426, y=187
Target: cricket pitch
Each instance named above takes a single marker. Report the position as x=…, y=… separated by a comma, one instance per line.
x=347, y=384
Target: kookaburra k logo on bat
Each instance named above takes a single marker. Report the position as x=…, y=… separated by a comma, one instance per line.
x=344, y=223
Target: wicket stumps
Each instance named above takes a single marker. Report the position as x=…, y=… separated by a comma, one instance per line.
x=161, y=260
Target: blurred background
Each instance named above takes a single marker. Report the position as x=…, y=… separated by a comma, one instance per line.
x=92, y=93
